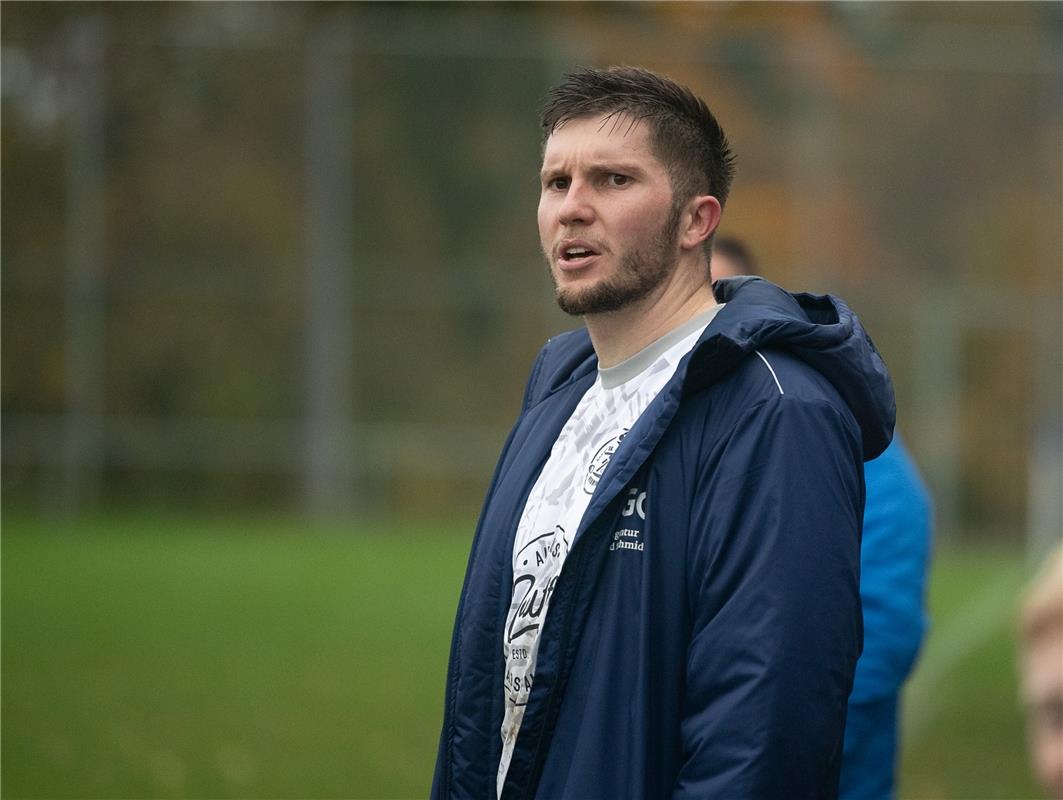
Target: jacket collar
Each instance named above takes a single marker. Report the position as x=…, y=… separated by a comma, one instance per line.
x=819, y=329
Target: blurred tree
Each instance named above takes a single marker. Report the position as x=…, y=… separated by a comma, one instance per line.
x=886, y=152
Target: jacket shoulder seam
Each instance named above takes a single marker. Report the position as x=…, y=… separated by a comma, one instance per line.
x=771, y=369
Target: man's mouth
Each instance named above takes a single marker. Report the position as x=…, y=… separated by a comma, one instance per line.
x=574, y=255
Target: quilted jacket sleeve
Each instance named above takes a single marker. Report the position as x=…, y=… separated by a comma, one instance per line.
x=773, y=568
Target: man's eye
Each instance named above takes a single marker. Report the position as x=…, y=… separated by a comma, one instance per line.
x=558, y=183
x=616, y=179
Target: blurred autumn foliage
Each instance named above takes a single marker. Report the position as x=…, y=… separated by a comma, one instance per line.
x=905, y=156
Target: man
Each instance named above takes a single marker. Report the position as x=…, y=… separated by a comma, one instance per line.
x=1041, y=664
x=661, y=598
x=894, y=553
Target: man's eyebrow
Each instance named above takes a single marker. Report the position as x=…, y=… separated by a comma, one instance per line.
x=611, y=165
x=597, y=168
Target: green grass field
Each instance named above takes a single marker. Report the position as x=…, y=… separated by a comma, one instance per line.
x=164, y=657
x=963, y=727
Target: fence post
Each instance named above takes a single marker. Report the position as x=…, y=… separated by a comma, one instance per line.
x=84, y=286
x=327, y=472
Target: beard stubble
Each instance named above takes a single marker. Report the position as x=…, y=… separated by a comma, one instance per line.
x=638, y=273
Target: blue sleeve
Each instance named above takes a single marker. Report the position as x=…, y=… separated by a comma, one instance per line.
x=893, y=565
x=894, y=555
x=772, y=586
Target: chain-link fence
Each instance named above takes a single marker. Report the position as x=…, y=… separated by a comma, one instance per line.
x=281, y=254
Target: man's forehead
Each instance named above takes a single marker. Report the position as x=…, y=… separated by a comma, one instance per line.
x=600, y=135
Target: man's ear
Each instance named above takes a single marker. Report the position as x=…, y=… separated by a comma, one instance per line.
x=701, y=216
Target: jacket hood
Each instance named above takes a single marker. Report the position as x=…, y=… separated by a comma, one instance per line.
x=821, y=330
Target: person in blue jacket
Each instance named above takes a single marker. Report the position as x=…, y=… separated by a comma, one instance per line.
x=894, y=559
x=662, y=592
x=894, y=556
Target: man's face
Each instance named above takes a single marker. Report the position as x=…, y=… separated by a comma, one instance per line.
x=607, y=222
x=1043, y=698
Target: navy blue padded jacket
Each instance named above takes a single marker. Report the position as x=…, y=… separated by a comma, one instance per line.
x=713, y=659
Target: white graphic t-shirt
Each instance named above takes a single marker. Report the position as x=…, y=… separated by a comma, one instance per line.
x=561, y=495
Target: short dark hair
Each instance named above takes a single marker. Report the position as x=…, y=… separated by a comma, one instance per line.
x=738, y=252
x=684, y=134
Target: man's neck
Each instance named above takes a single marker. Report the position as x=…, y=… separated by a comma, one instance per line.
x=617, y=335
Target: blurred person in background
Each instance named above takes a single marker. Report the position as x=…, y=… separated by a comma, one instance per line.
x=1041, y=666
x=679, y=501
x=894, y=559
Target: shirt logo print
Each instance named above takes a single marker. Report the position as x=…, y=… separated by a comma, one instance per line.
x=601, y=461
x=632, y=514
x=535, y=575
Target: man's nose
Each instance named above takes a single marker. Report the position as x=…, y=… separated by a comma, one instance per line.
x=577, y=208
